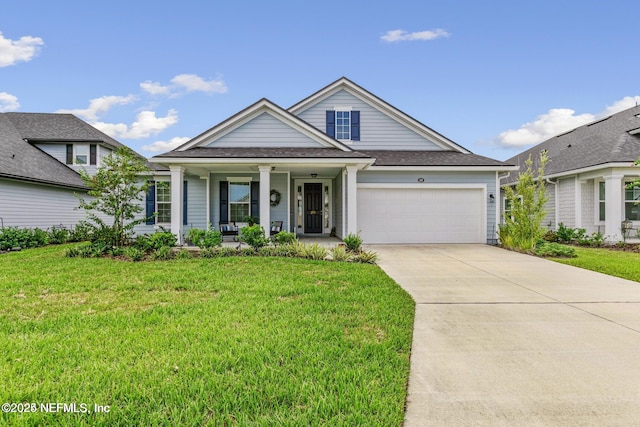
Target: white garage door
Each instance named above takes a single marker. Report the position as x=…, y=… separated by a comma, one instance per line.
x=422, y=215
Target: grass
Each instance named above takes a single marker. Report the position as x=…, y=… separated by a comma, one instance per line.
x=611, y=262
x=225, y=341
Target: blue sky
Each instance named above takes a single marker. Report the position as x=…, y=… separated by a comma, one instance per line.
x=494, y=76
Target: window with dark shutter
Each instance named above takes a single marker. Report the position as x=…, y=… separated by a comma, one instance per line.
x=331, y=123
x=92, y=154
x=151, y=203
x=69, y=154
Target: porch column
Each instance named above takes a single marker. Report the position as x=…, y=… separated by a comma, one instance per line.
x=352, y=200
x=613, y=207
x=177, y=188
x=265, y=202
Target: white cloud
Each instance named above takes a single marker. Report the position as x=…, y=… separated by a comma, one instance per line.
x=402, y=35
x=155, y=88
x=166, y=145
x=8, y=102
x=14, y=51
x=194, y=83
x=555, y=122
x=146, y=125
x=100, y=106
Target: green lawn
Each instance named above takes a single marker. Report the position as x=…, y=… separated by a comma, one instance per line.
x=615, y=263
x=227, y=341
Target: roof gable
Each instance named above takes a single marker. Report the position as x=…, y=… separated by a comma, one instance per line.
x=376, y=103
x=286, y=130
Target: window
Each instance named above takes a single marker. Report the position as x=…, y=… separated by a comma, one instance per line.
x=239, y=200
x=601, y=199
x=163, y=202
x=343, y=124
x=632, y=203
x=81, y=156
x=507, y=207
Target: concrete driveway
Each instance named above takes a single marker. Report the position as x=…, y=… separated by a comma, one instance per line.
x=502, y=338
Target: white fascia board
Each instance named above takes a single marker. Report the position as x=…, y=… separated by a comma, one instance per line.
x=445, y=168
x=264, y=106
x=423, y=185
x=263, y=161
x=624, y=165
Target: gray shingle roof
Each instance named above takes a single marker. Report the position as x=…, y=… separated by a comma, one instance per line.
x=430, y=158
x=264, y=152
x=604, y=141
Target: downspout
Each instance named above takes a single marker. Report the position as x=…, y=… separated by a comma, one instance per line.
x=555, y=201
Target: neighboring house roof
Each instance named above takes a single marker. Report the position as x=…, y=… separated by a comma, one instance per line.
x=613, y=139
x=430, y=158
x=20, y=159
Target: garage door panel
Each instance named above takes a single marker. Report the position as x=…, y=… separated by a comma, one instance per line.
x=422, y=215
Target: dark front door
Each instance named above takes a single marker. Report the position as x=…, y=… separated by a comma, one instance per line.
x=313, y=208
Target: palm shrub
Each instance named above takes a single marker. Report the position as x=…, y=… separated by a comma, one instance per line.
x=522, y=227
x=353, y=242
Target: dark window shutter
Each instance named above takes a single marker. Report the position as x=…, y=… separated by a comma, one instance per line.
x=224, y=201
x=355, y=125
x=331, y=123
x=69, y=154
x=255, y=199
x=151, y=203
x=184, y=204
x=92, y=154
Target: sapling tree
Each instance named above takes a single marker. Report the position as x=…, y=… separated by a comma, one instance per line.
x=116, y=192
x=522, y=227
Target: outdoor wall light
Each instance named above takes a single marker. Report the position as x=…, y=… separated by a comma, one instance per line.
x=313, y=175
x=492, y=198
x=420, y=179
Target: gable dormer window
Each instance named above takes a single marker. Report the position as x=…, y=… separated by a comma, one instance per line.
x=82, y=154
x=343, y=124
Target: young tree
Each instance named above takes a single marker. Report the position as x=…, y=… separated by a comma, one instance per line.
x=116, y=191
x=522, y=226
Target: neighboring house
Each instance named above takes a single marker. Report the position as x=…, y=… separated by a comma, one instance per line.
x=40, y=155
x=588, y=170
x=340, y=160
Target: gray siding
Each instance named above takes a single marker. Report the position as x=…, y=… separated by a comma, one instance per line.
x=28, y=205
x=264, y=131
x=486, y=178
x=377, y=130
x=550, y=207
x=566, y=204
x=59, y=152
x=588, y=206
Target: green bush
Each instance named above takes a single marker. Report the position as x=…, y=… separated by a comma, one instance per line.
x=550, y=236
x=284, y=238
x=133, y=253
x=82, y=232
x=366, y=257
x=313, y=251
x=92, y=250
x=58, y=235
x=340, y=253
x=253, y=236
x=72, y=252
x=161, y=239
x=163, y=253
x=555, y=250
x=205, y=238
x=11, y=237
x=184, y=254
x=353, y=242
x=565, y=234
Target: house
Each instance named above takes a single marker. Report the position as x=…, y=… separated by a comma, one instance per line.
x=587, y=174
x=40, y=155
x=341, y=160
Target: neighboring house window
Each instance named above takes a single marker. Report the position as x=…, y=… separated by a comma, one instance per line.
x=343, y=125
x=163, y=202
x=507, y=207
x=632, y=203
x=239, y=200
x=82, y=154
x=601, y=200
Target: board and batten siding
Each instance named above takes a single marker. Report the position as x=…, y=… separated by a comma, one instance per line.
x=264, y=131
x=566, y=202
x=377, y=130
x=458, y=178
x=31, y=205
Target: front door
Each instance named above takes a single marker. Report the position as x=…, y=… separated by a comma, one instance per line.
x=313, y=207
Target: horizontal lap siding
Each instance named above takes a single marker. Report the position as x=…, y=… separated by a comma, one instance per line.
x=377, y=130
x=264, y=131
x=28, y=205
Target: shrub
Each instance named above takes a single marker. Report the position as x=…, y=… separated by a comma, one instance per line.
x=366, y=257
x=555, y=250
x=313, y=251
x=184, y=254
x=340, y=253
x=565, y=234
x=268, y=251
x=163, y=253
x=92, y=250
x=247, y=252
x=285, y=238
x=72, y=252
x=353, y=242
x=161, y=239
x=11, y=237
x=133, y=253
x=142, y=243
x=253, y=236
x=58, y=235
x=550, y=236
x=81, y=232
x=287, y=250
x=205, y=238
x=208, y=253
